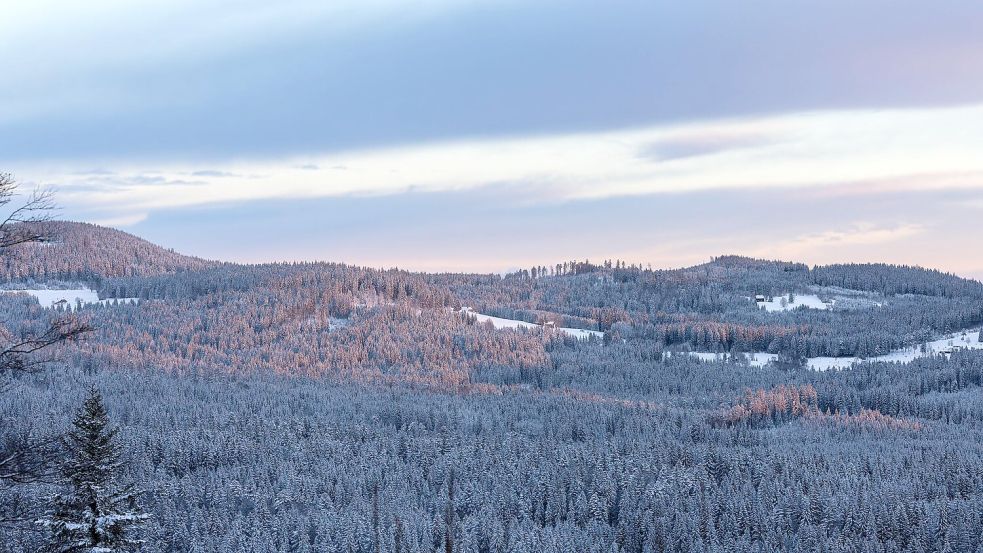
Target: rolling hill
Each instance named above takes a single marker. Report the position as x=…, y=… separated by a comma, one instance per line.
x=86, y=252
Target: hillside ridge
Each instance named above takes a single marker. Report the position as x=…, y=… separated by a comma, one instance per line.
x=87, y=252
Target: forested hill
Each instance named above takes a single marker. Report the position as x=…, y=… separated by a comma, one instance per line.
x=86, y=252
x=360, y=324
x=835, y=310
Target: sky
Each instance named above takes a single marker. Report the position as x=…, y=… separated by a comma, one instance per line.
x=488, y=135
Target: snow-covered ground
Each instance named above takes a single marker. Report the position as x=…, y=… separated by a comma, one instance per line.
x=959, y=340
x=338, y=323
x=810, y=301
x=70, y=297
x=499, y=322
x=840, y=298
x=845, y=298
x=581, y=333
x=754, y=359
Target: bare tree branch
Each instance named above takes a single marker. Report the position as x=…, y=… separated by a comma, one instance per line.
x=18, y=512
x=22, y=224
x=25, y=459
x=19, y=357
x=24, y=463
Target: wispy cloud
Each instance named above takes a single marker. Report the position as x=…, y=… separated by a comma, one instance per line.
x=842, y=152
x=859, y=234
x=708, y=143
x=487, y=229
x=212, y=173
x=94, y=172
x=121, y=221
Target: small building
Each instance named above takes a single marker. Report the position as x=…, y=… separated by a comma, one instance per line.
x=760, y=298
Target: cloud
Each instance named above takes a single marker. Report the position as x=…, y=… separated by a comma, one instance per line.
x=929, y=182
x=493, y=228
x=126, y=220
x=212, y=173
x=563, y=127
x=931, y=242
x=281, y=79
x=859, y=234
x=95, y=172
x=694, y=145
x=839, y=153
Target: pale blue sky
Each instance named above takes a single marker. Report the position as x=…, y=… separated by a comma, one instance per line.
x=485, y=135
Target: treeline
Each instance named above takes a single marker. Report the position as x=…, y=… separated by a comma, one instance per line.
x=401, y=325
x=891, y=280
x=346, y=285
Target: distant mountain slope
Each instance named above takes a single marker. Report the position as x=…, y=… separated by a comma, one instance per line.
x=228, y=317
x=82, y=251
x=711, y=307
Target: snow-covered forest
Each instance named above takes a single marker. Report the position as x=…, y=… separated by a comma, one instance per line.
x=314, y=407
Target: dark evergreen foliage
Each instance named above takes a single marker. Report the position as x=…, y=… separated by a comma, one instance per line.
x=884, y=458
x=95, y=513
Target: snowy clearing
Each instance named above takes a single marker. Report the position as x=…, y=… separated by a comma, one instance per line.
x=499, y=322
x=945, y=345
x=335, y=323
x=70, y=298
x=582, y=334
x=754, y=359
x=823, y=298
x=785, y=303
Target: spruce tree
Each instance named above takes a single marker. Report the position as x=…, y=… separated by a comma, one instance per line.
x=96, y=514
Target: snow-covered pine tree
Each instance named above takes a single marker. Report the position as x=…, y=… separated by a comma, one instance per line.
x=96, y=514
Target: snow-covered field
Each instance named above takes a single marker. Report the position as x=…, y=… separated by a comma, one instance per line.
x=70, y=297
x=499, y=322
x=754, y=359
x=840, y=298
x=959, y=340
x=782, y=303
x=581, y=333
x=338, y=323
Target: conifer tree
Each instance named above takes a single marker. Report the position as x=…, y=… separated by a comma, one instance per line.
x=96, y=514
